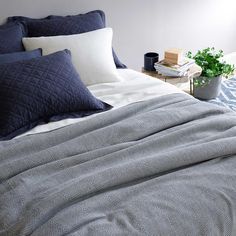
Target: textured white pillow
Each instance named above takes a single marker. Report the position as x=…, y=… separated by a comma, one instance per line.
x=91, y=53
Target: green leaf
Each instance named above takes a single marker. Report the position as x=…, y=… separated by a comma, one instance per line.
x=212, y=65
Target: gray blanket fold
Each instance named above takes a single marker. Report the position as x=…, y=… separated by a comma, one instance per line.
x=166, y=166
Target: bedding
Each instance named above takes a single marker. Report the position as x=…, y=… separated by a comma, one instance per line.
x=164, y=166
x=19, y=19
x=134, y=87
x=159, y=163
x=63, y=25
x=91, y=53
x=19, y=56
x=40, y=90
x=100, y=12
x=11, y=19
x=59, y=25
x=11, y=38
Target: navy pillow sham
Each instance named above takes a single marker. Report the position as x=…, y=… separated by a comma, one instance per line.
x=20, y=56
x=11, y=38
x=12, y=19
x=100, y=12
x=41, y=90
x=65, y=25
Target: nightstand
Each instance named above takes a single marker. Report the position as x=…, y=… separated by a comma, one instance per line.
x=183, y=83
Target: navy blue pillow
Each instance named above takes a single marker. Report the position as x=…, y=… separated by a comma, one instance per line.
x=92, y=20
x=12, y=19
x=11, y=38
x=20, y=56
x=60, y=25
x=64, y=25
x=41, y=90
x=100, y=12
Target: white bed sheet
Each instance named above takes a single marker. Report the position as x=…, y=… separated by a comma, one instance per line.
x=135, y=87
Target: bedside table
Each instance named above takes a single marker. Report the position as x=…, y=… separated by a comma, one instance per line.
x=183, y=83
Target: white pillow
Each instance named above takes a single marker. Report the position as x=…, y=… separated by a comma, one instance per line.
x=91, y=53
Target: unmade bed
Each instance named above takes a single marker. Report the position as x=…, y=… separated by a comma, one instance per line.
x=105, y=150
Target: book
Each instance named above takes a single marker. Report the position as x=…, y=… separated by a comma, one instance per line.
x=174, y=70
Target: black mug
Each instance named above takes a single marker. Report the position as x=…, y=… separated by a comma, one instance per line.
x=150, y=59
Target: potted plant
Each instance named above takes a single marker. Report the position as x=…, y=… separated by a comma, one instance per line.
x=208, y=84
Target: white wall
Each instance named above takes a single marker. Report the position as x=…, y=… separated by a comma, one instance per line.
x=150, y=25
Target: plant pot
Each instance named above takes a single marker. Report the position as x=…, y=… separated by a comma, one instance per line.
x=209, y=91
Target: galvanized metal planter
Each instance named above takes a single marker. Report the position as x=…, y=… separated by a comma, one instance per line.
x=210, y=90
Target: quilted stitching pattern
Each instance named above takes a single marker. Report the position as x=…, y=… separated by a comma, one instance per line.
x=19, y=56
x=40, y=90
x=11, y=39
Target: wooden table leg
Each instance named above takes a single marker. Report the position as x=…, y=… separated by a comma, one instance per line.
x=191, y=86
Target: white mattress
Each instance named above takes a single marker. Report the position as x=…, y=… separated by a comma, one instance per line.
x=135, y=87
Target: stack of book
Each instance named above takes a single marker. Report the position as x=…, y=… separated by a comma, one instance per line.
x=174, y=70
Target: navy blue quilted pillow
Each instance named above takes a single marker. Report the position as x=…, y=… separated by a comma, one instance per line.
x=59, y=25
x=101, y=13
x=64, y=25
x=11, y=38
x=20, y=56
x=12, y=19
x=41, y=90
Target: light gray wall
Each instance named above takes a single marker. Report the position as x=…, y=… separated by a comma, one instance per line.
x=147, y=25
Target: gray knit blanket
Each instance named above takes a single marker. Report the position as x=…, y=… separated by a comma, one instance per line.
x=164, y=167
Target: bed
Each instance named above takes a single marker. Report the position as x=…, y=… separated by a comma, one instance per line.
x=149, y=160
